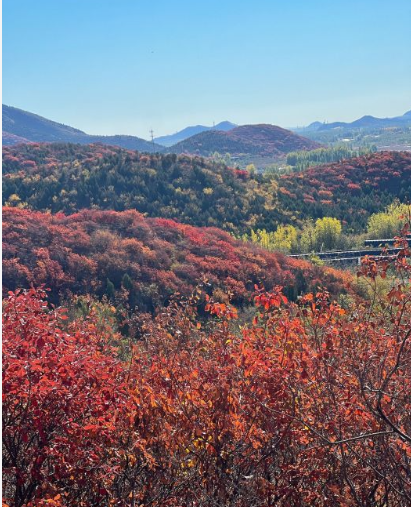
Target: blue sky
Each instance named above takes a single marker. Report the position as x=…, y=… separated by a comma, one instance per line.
x=126, y=66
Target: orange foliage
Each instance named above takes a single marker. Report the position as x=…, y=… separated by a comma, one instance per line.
x=78, y=253
x=308, y=405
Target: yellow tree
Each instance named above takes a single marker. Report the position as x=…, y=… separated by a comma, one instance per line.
x=388, y=223
x=285, y=238
x=327, y=233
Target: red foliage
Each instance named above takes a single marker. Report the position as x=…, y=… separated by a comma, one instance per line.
x=353, y=189
x=309, y=405
x=384, y=167
x=59, y=388
x=78, y=253
x=242, y=174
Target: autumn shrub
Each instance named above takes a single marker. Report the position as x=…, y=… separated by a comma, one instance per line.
x=99, y=252
x=307, y=404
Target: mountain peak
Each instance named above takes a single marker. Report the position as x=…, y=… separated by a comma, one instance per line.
x=193, y=130
x=263, y=140
x=225, y=125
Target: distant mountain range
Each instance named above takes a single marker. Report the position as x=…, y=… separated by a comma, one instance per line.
x=264, y=140
x=247, y=143
x=192, y=131
x=366, y=122
x=21, y=127
x=260, y=144
x=248, y=140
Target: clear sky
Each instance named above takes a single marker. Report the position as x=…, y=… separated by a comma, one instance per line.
x=126, y=66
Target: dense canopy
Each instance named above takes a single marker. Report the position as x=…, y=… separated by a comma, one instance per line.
x=197, y=191
x=153, y=258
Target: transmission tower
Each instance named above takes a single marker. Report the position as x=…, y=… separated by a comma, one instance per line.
x=152, y=138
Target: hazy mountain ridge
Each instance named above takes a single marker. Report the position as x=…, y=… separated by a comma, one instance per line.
x=260, y=144
x=187, y=132
x=264, y=142
x=367, y=121
x=22, y=126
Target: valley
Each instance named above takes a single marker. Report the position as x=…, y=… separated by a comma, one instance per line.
x=206, y=253
x=172, y=314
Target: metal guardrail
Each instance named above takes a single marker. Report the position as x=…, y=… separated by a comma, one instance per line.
x=349, y=255
x=383, y=242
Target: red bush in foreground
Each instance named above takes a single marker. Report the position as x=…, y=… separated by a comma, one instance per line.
x=307, y=406
x=64, y=399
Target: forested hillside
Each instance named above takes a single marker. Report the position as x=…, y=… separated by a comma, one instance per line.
x=105, y=252
x=220, y=317
x=350, y=190
x=69, y=178
x=190, y=367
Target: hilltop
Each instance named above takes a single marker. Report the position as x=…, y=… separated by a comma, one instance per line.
x=21, y=126
x=263, y=140
x=181, y=135
x=369, y=121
